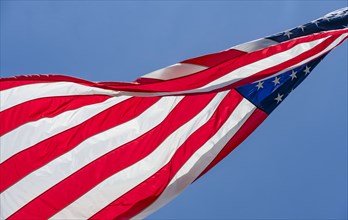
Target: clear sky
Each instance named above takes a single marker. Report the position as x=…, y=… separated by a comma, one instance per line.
x=294, y=166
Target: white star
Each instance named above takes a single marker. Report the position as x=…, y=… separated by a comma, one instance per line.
x=307, y=70
x=287, y=33
x=316, y=23
x=279, y=98
x=276, y=81
x=302, y=27
x=293, y=75
x=259, y=85
x=345, y=26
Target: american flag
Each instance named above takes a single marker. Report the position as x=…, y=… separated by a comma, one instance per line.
x=71, y=148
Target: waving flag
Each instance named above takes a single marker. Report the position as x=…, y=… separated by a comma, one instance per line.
x=71, y=148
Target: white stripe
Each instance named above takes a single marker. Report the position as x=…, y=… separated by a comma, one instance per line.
x=201, y=158
x=20, y=94
x=175, y=71
x=34, y=132
x=89, y=150
x=255, y=45
x=123, y=181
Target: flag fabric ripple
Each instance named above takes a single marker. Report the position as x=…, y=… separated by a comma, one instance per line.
x=74, y=149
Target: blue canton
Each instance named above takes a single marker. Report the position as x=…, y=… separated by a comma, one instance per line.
x=332, y=21
x=269, y=93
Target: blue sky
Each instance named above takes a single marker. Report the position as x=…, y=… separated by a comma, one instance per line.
x=294, y=166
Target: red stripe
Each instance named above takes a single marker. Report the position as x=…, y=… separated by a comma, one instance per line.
x=210, y=60
x=27, y=161
x=43, y=108
x=88, y=177
x=148, y=80
x=140, y=197
x=249, y=126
